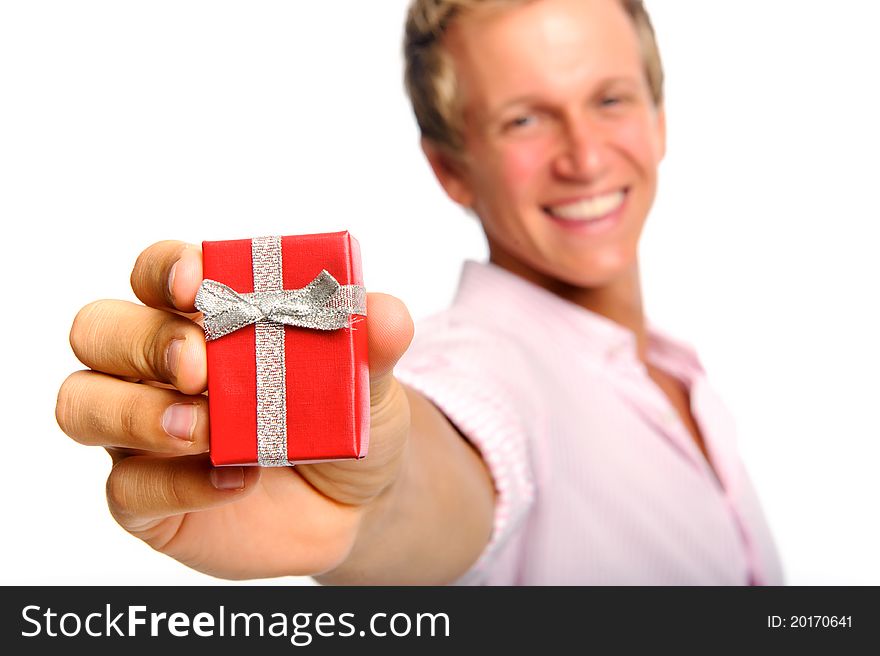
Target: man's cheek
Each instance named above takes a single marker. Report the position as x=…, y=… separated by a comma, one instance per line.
x=640, y=141
x=522, y=166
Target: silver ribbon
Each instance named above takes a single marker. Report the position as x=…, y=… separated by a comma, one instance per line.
x=323, y=304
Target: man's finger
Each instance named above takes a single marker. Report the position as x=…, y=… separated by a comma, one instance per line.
x=142, y=489
x=100, y=410
x=390, y=330
x=167, y=275
x=127, y=339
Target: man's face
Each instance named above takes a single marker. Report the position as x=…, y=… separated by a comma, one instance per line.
x=562, y=139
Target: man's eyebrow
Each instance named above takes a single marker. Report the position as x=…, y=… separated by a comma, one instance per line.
x=531, y=98
x=627, y=79
x=527, y=99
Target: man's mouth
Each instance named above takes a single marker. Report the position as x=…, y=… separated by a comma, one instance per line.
x=588, y=209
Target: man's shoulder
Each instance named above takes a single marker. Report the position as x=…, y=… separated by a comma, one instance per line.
x=458, y=339
x=478, y=374
x=458, y=329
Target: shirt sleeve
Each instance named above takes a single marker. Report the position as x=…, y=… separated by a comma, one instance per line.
x=474, y=377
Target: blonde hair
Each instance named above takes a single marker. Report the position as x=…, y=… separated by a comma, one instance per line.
x=430, y=76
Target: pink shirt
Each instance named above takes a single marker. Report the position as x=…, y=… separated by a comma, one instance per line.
x=598, y=481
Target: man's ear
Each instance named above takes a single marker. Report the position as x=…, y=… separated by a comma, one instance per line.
x=450, y=172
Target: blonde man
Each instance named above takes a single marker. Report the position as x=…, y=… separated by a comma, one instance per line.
x=540, y=430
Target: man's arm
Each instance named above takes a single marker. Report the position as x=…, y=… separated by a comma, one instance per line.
x=433, y=522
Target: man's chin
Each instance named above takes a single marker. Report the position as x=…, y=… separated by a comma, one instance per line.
x=594, y=272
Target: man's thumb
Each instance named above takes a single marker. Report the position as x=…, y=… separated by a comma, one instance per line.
x=390, y=331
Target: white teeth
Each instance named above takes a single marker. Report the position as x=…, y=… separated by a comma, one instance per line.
x=586, y=210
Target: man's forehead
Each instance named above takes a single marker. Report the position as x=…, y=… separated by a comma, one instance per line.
x=542, y=45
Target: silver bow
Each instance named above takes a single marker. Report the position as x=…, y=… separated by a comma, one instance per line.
x=323, y=304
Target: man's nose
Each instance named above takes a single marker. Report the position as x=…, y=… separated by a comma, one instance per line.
x=583, y=153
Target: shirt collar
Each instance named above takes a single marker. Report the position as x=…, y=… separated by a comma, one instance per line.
x=507, y=300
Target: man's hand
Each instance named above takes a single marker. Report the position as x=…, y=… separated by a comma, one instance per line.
x=143, y=400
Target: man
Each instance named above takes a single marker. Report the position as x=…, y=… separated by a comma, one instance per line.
x=545, y=434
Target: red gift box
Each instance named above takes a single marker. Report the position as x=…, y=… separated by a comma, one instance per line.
x=309, y=388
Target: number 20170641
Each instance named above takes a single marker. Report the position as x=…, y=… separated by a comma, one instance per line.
x=809, y=622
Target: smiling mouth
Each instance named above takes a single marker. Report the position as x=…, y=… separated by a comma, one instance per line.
x=588, y=209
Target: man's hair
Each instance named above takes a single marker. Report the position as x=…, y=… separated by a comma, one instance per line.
x=430, y=75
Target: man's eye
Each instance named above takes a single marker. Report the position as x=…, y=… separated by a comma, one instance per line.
x=610, y=101
x=520, y=122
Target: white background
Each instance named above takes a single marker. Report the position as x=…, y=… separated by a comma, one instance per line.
x=124, y=123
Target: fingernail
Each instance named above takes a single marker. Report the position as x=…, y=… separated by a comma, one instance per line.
x=173, y=355
x=179, y=420
x=227, y=478
x=171, y=281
